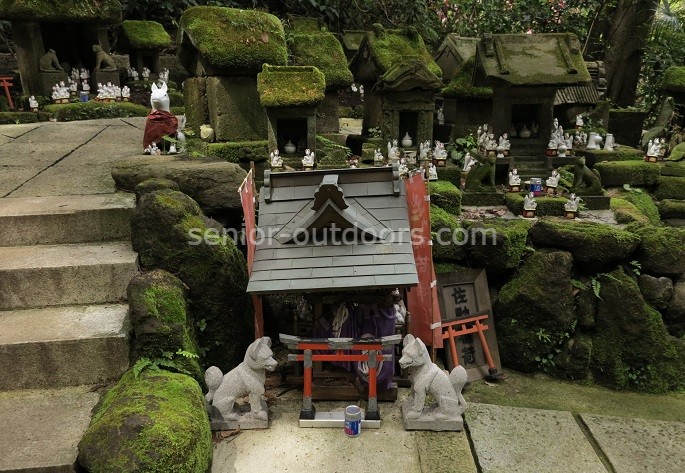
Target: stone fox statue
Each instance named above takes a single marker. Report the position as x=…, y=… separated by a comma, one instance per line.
x=247, y=378
x=426, y=378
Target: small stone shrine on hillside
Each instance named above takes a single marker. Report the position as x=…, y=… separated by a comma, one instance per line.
x=144, y=41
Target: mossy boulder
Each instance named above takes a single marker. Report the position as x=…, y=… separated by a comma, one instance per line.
x=643, y=201
x=547, y=206
x=240, y=151
x=535, y=311
x=212, y=182
x=631, y=346
x=674, y=315
x=95, y=110
x=585, y=303
x=672, y=209
x=155, y=423
x=170, y=232
x=662, y=251
x=594, y=245
x=285, y=86
x=138, y=34
x=658, y=292
x=674, y=79
x=625, y=212
x=574, y=360
x=65, y=11
x=445, y=195
x=161, y=324
x=677, y=153
x=450, y=173
x=323, y=51
x=230, y=42
x=622, y=153
x=498, y=245
x=155, y=184
x=670, y=187
x=634, y=173
x=673, y=169
x=448, y=236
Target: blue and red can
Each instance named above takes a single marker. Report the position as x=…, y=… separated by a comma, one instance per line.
x=353, y=421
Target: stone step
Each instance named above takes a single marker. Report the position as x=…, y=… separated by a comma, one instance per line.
x=51, y=275
x=65, y=219
x=62, y=346
x=41, y=428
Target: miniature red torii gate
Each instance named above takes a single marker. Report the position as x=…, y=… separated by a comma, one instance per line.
x=467, y=326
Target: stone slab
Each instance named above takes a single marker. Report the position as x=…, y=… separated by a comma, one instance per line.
x=441, y=452
x=452, y=425
x=50, y=275
x=41, y=428
x=244, y=422
x=15, y=131
x=65, y=219
x=639, y=445
x=514, y=439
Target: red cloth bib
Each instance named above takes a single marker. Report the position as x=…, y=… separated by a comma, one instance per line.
x=159, y=124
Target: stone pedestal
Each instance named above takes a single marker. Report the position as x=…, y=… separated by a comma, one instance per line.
x=246, y=421
x=49, y=79
x=102, y=77
x=429, y=421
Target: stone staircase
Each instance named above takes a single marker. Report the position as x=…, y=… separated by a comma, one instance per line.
x=531, y=166
x=65, y=262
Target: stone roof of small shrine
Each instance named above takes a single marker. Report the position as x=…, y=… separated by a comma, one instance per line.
x=322, y=50
x=288, y=86
x=553, y=59
x=299, y=213
x=63, y=11
x=455, y=50
x=139, y=34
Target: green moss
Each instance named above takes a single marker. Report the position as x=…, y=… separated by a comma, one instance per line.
x=178, y=111
x=676, y=169
x=644, y=203
x=634, y=173
x=13, y=118
x=284, y=86
x=677, y=153
x=153, y=423
x=145, y=35
x=632, y=347
x=445, y=195
x=461, y=86
x=594, y=245
x=235, y=42
x=176, y=98
x=94, y=110
x=672, y=209
x=445, y=227
x=498, y=245
x=625, y=212
x=662, y=251
x=547, y=206
x=674, y=79
x=391, y=47
x=450, y=173
x=670, y=187
x=65, y=11
x=240, y=151
x=323, y=51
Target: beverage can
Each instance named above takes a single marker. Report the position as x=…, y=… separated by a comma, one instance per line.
x=353, y=421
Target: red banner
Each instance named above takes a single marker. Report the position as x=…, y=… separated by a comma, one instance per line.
x=422, y=301
x=247, y=199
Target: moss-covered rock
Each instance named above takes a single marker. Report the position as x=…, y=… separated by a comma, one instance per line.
x=593, y=245
x=169, y=231
x=138, y=34
x=448, y=236
x=240, y=151
x=196, y=103
x=574, y=360
x=94, y=110
x=622, y=153
x=674, y=316
x=585, y=303
x=670, y=187
x=160, y=321
x=625, y=212
x=65, y=11
x=230, y=41
x=285, y=86
x=677, y=153
x=535, y=311
x=498, y=245
x=662, y=251
x=155, y=184
x=634, y=173
x=643, y=201
x=674, y=79
x=547, y=206
x=673, y=169
x=450, y=173
x=445, y=195
x=672, y=209
x=461, y=86
x=631, y=346
x=323, y=51
x=153, y=423
x=658, y=292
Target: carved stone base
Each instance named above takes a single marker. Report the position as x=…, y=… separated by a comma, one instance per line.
x=514, y=188
x=49, y=79
x=570, y=214
x=551, y=190
x=429, y=421
x=651, y=159
x=102, y=77
x=528, y=213
x=246, y=421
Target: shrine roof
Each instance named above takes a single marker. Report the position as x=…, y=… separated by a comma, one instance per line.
x=63, y=11
x=324, y=51
x=287, y=86
x=553, y=59
x=297, y=210
x=461, y=86
x=457, y=48
x=230, y=41
x=137, y=34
